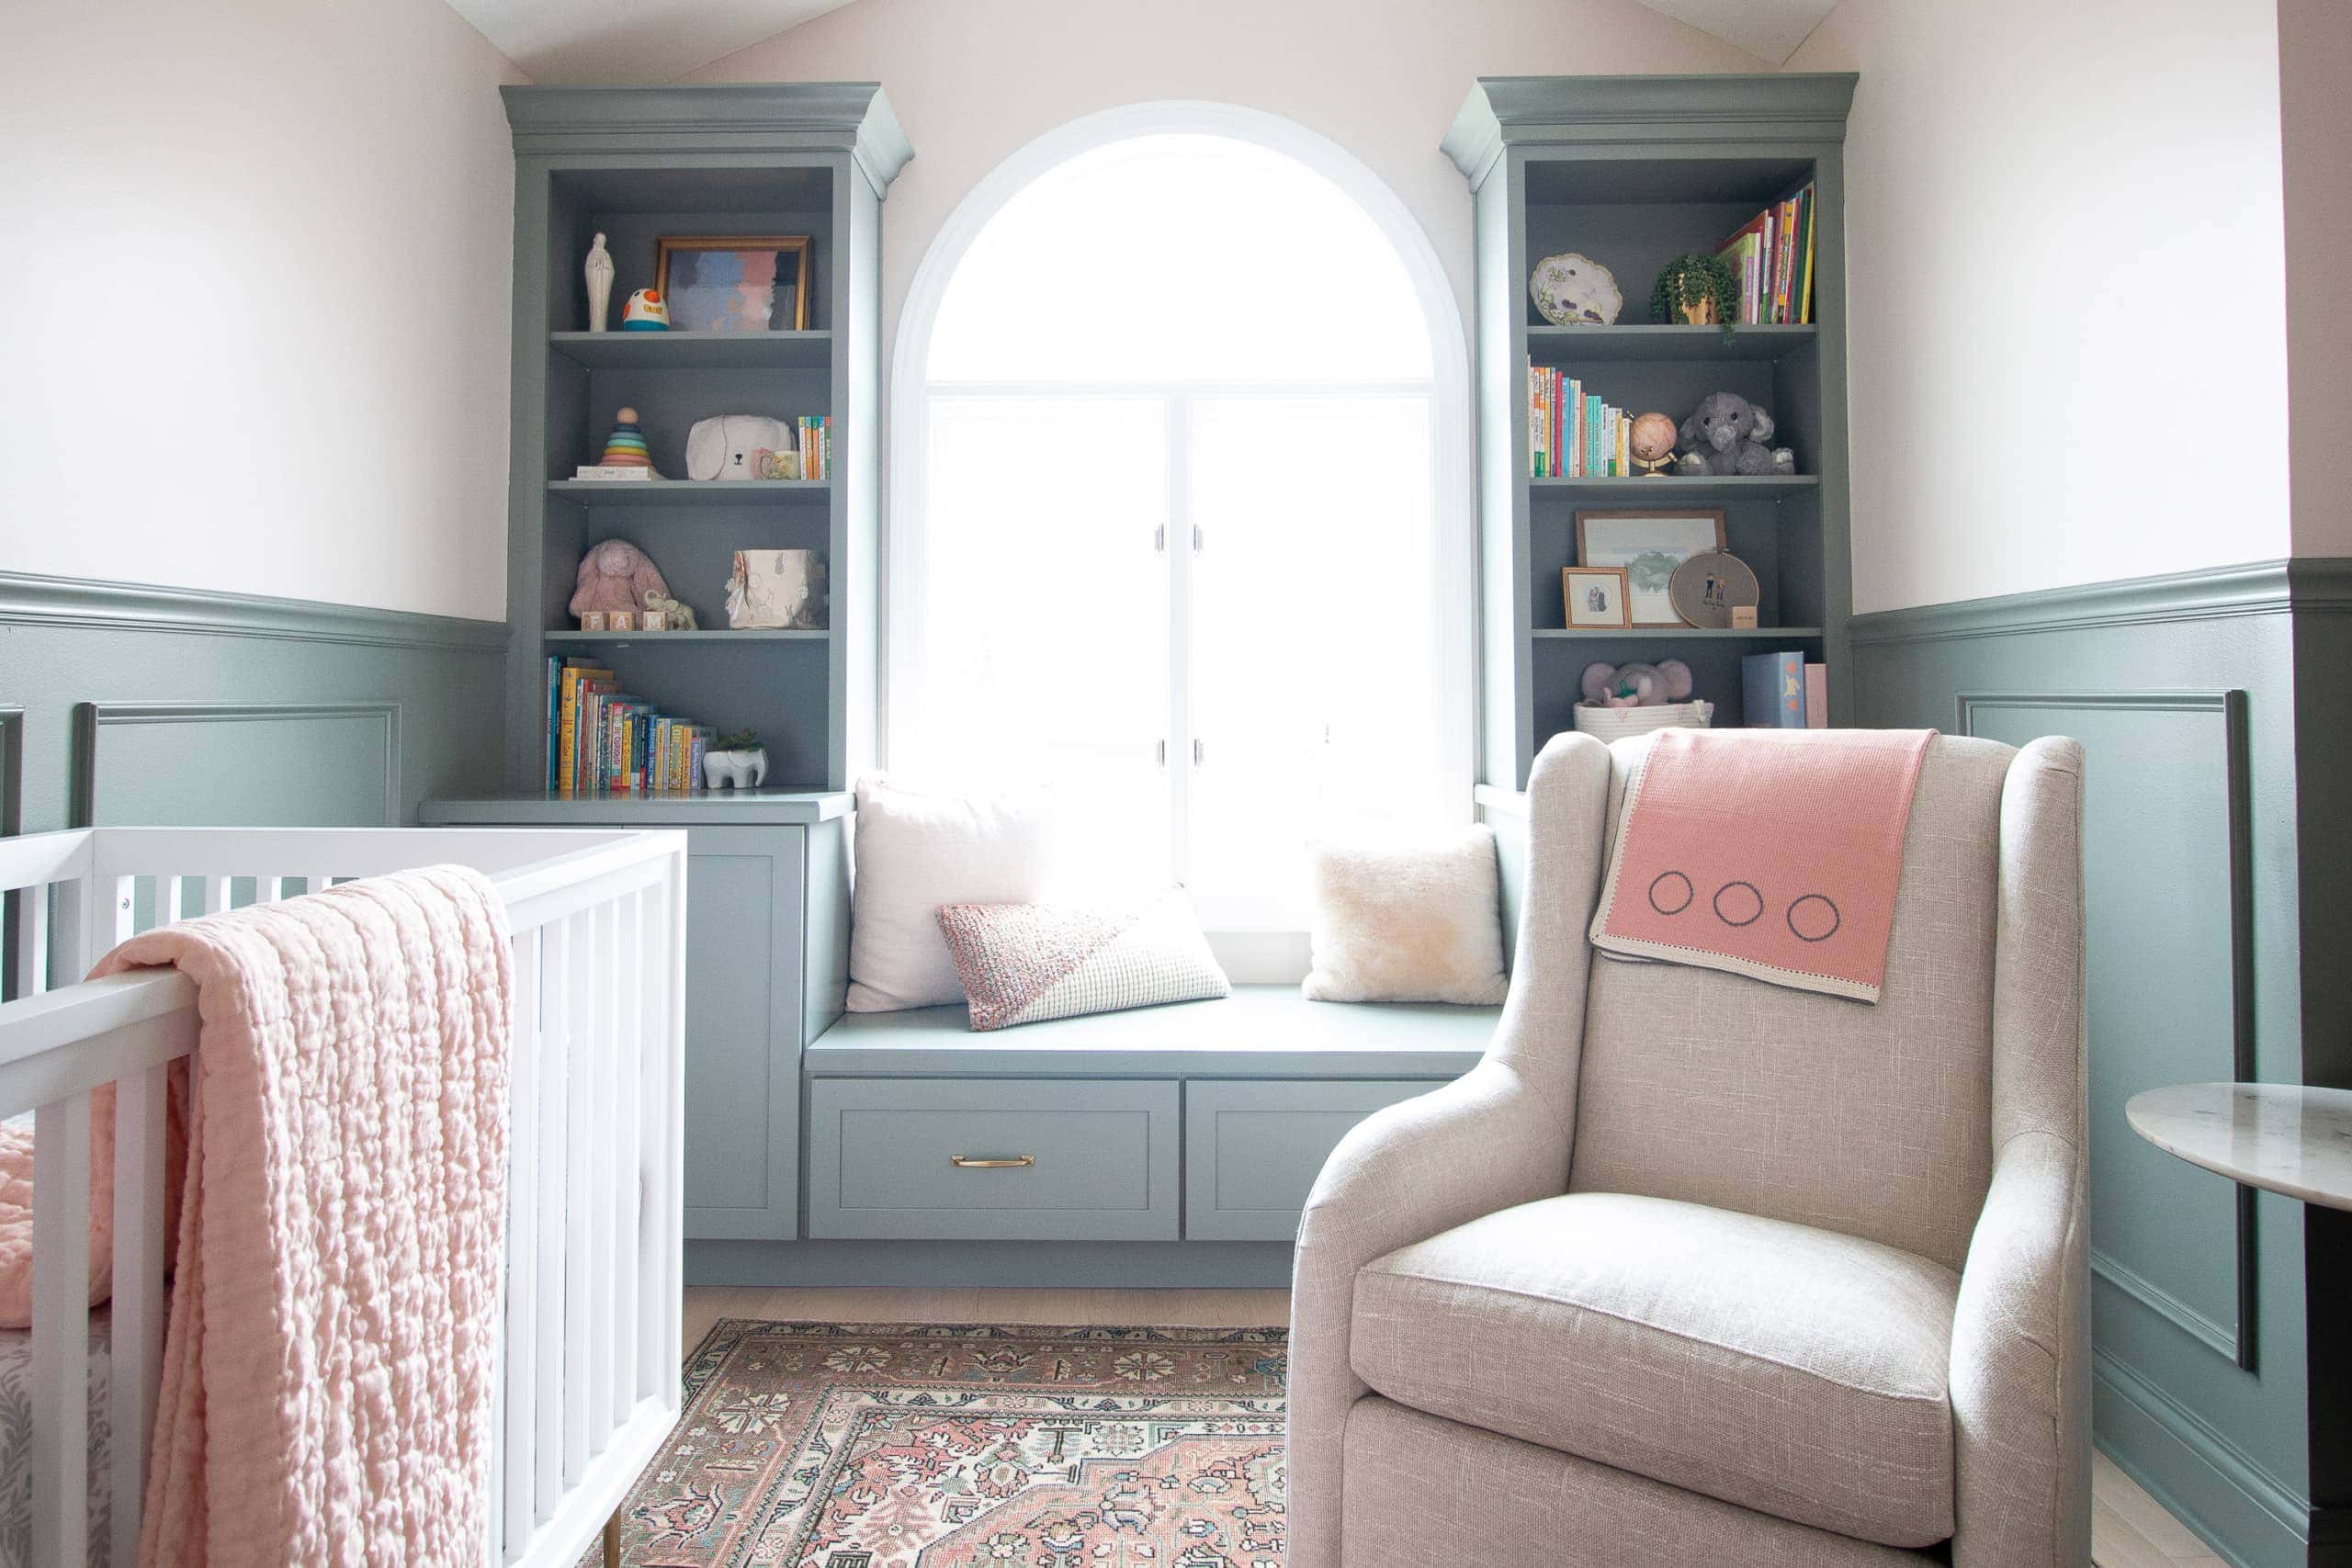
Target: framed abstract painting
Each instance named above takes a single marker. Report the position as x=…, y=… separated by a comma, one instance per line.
x=734, y=283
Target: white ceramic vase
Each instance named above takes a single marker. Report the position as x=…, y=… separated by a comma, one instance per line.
x=742, y=769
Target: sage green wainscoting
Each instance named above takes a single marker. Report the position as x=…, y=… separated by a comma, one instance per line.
x=2210, y=718
x=178, y=707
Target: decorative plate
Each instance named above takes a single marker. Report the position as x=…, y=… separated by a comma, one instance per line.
x=1708, y=587
x=1575, y=290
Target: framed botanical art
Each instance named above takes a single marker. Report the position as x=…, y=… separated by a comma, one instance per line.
x=1595, y=596
x=734, y=283
x=1647, y=545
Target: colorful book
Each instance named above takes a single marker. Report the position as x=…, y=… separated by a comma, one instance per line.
x=1772, y=691
x=1817, y=696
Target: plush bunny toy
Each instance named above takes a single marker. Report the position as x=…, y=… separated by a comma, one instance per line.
x=616, y=575
x=1636, y=685
x=1725, y=434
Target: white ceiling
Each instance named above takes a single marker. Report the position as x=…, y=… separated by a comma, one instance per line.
x=630, y=41
x=661, y=40
x=1769, y=29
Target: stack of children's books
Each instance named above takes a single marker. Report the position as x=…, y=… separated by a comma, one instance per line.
x=1771, y=256
x=602, y=740
x=815, y=434
x=1780, y=691
x=1571, y=434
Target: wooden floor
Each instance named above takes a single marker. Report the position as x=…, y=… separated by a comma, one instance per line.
x=2129, y=1528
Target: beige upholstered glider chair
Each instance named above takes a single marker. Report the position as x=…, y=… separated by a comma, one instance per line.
x=1694, y=1269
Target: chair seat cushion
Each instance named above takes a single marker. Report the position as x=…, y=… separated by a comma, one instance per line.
x=1785, y=1368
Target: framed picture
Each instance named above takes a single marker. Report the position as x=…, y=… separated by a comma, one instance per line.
x=1647, y=545
x=734, y=283
x=1595, y=596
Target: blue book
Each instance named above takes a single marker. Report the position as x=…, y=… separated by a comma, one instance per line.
x=1772, y=691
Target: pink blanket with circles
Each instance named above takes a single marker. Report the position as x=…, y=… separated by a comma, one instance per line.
x=328, y=1365
x=1769, y=853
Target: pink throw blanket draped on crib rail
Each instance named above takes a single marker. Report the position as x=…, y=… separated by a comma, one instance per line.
x=1769, y=853
x=328, y=1365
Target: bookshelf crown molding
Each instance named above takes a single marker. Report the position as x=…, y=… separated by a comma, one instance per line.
x=854, y=117
x=1502, y=111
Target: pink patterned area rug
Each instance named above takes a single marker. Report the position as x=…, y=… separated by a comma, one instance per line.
x=808, y=1445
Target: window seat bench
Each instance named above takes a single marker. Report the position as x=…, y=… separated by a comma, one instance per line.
x=1195, y=1122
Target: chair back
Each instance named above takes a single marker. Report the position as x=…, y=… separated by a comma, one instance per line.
x=1874, y=1120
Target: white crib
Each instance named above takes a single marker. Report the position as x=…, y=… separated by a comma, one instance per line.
x=588, y=1383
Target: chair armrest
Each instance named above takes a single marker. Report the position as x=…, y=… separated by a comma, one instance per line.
x=2020, y=1366
x=1485, y=1142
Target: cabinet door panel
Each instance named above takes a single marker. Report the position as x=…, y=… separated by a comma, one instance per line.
x=743, y=1018
x=1253, y=1149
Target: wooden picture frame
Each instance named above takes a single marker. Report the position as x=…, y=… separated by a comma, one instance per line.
x=1595, y=597
x=1647, y=544
x=748, y=295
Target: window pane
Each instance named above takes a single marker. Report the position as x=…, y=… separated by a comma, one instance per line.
x=1180, y=258
x=1044, y=627
x=1313, y=691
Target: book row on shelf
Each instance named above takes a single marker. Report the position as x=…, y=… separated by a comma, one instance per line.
x=1783, y=691
x=1770, y=258
x=1571, y=434
x=601, y=740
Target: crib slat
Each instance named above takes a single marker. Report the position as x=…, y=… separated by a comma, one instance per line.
x=139, y=1251
x=604, y=920
x=578, y=1156
x=268, y=889
x=555, y=1074
x=628, y=1113
x=60, y=1303
x=657, y=1362
x=216, y=895
x=123, y=921
x=673, y=1186
x=511, y=1502
x=33, y=942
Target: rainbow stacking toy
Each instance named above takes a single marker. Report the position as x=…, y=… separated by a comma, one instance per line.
x=624, y=448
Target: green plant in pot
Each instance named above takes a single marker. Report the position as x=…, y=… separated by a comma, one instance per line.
x=1696, y=290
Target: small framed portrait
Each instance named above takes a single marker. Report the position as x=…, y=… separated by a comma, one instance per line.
x=1647, y=545
x=734, y=283
x=1596, y=596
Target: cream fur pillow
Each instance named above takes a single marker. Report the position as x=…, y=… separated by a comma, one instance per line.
x=1410, y=922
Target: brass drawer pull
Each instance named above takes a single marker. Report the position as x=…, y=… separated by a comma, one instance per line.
x=975, y=1162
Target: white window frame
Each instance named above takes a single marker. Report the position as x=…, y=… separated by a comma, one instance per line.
x=1452, y=567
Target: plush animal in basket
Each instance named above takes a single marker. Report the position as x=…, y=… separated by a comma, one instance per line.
x=1637, y=685
x=1726, y=436
x=616, y=575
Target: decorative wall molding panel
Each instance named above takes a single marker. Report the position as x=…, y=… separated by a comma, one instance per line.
x=237, y=764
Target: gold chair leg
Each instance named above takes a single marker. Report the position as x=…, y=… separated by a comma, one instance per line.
x=613, y=1541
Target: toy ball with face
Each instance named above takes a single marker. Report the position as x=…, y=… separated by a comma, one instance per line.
x=647, y=311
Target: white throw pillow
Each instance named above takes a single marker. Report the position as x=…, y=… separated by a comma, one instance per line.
x=918, y=851
x=1408, y=921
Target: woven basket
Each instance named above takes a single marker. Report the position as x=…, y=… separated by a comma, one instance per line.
x=1616, y=724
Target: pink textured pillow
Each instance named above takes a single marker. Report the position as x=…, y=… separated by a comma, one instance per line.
x=1028, y=963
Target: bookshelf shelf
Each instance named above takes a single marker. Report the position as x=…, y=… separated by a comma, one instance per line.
x=1632, y=172
x=1677, y=490
x=695, y=351
x=1643, y=344
x=657, y=640
x=1677, y=633
x=690, y=493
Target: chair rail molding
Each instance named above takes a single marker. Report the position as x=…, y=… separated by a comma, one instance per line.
x=30, y=599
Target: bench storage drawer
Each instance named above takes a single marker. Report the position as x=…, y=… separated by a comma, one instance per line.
x=1253, y=1149
x=1002, y=1159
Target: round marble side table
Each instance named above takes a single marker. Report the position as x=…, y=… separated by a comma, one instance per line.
x=2282, y=1137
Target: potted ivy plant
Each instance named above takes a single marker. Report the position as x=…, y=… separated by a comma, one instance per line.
x=739, y=758
x=1696, y=290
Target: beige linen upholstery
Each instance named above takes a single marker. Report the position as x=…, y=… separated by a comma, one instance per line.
x=1464, y=1254
x=1772, y=1365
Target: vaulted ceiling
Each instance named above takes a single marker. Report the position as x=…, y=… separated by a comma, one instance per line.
x=661, y=40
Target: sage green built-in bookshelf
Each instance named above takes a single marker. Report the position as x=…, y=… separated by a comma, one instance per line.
x=1633, y=170
x=635, y=164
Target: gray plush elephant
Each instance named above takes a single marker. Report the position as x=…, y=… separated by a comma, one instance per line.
x=1725, y=434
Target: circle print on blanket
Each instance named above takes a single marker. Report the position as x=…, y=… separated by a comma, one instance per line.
x=1738, y=904
x=1814, y=919
x=1671, y=893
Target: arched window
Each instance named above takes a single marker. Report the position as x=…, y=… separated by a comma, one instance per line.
x=1177, y=424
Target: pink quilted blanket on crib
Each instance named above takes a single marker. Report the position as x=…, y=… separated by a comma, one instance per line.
x=327, y=1372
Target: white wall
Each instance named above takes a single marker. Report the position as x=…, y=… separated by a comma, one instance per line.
x=2068, y=351
x=974, y=80
x=259, y=251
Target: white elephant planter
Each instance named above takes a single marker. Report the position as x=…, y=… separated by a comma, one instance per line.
x=744, y=770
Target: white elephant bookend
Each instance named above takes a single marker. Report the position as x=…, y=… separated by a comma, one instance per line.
x=739, y=760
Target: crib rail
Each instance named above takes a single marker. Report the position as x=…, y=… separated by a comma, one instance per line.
x=587, y=1382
